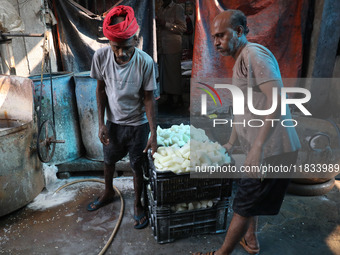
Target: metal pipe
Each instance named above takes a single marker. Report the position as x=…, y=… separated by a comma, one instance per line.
x=12, y=70
x=21, y=35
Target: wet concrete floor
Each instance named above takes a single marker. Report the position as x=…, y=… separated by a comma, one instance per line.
x=305, y=225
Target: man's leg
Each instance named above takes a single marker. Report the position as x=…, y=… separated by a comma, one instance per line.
x=137, y=144
x=251, y=235
x=138, y=187
x=109, y=193
x=240, y=227
x=108, y=176
x=237, y=229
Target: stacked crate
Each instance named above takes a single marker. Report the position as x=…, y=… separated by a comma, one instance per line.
x=167, y=189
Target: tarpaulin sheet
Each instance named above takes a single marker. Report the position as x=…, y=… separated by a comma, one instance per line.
x=276, y=24
x=79, y=36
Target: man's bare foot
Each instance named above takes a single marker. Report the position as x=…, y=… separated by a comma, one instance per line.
x=109, y=196
x=251, y=247
x=252, y=241
x=141, y=220
x=101, y=201
x=219, y=252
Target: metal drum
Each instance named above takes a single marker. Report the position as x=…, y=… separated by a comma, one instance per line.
x=65, y=110
x=21, y=176
x=320, y=140
x=88, y=115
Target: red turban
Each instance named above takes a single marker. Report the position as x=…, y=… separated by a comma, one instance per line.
x=123, y=30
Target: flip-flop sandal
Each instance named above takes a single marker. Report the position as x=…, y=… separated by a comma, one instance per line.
x=138, y=218
x=208, y=253
x=96, y=204
x=245, y=246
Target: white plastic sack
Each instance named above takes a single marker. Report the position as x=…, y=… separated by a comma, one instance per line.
x=10, y=20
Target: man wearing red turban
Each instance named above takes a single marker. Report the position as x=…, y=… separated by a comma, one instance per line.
x=122, y=30
x=125, y=83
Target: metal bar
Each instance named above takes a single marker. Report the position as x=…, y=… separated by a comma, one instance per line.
x=21, y=35
x=91, y=14
x=106, y=12
x=1, y=67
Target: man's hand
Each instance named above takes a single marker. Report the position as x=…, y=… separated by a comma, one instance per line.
x=228, y=146
x=152, y=143
x=254, y=158
x=103, y=135
x=149, y=102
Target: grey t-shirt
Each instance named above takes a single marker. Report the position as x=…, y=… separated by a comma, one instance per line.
x=254, y=66
x=125, y=84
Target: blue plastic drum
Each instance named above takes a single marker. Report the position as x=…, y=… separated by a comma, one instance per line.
x=65, y=113
x=88, y=115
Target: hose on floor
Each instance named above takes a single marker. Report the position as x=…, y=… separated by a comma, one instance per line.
x=120, y=213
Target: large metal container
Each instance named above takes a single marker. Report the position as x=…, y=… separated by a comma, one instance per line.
x=320, y=142
x=88, y=115
x=21, y=176
x=65, y=110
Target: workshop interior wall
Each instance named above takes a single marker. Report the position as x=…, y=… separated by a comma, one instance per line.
x=27, y=51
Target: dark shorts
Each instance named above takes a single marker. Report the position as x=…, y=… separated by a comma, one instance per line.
x=255, y=197
x=126, y=139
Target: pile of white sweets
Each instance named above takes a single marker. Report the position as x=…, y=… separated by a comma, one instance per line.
x=179, y=135
x=203, y=204
x=186, y=147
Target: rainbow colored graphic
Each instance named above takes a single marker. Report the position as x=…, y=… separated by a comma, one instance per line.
x=209, y=93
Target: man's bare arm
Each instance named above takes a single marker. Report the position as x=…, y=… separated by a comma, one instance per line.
x=254, y=156
x=102, y=103
x=149, y=103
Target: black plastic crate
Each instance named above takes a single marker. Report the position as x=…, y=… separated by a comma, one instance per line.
x=168, y=225
x=169, y=188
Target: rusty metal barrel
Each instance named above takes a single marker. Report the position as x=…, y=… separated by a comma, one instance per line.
x=88, y=115
x=21, y=176
x=65, y=113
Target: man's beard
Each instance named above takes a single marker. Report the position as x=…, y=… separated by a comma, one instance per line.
x=231, y=50
x=123, y=59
